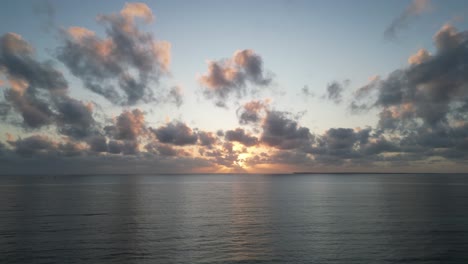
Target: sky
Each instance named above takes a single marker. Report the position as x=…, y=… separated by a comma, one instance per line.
x=233, y=86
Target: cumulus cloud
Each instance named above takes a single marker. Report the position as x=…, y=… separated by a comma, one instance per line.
x=367, y=89
x=75, y=118
x=176, y=133
x=129, y=125
x=239, y=135
x=424, y=105
x=97, y=143
x=335, y=91
x=207, y=139
x=252, y=112
x=18, y=62
x=43, y=146
x=433, y=89
x=231, y=76
x=418, y=58
x=422, y=109
x=39, y=92
x=416, y=8
x=33, y=145
x=282, y=132
x=126, y=147
x=122, y=66
x=346, y=143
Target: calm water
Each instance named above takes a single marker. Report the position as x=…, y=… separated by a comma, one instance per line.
x=234, y=219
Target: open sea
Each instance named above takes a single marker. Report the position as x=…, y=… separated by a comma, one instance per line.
x=320, y=218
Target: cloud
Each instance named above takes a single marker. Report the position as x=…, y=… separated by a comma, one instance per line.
x=424, y=106
x=166, y=150
x=252, y=112
x=176, y=133
x=123, y=66
x=75, y=118
x=176, y=96
x=39, y=92
x=367, y=89
x=335, y=90
x=231, y=76
x=132, y=10
x=422, y=113
x=282, y=132
x=129, y=125
x=418, y=58
x=97, y=143
x=305, y=91
x=96, y=164
x=126, y=147
x=30, y=82
x=207, y=139
x=33, y=145
x=35, y=112
x=43, y=146
x=433, y=89
x=18, y=62
x=341, y=142
x=239, y=135
x=416, y=8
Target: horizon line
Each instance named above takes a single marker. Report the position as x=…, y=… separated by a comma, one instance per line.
x=242, y=173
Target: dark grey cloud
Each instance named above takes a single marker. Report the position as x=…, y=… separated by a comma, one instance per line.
x=166, y=150
x=126, y=147
x=239, y=135
x=176, y=133
x=42, y=146
x=423, y=106
x=34, y=111
x=207, y=139
x=2, y=148
x=352, y=147
x=335, y=91
x=231, y=76
x=297, y=160
x=38, y=92
x=282, y=132
x=134, y=58
x=431, y=91
x=416, y=8
x=252, y=112
x=31, y=83
x=367, y=89
x=74, y=118
x=96, y=164
x=33, y=145
x=18, y=62
x=97, y=143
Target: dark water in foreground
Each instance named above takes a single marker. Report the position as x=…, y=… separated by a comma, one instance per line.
x=234, y=219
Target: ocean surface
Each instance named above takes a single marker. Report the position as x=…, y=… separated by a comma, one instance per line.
x=326, y=218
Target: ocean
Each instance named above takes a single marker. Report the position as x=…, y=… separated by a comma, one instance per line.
x=301, y=218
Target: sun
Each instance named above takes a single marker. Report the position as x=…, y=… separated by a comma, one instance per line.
x=241, y=159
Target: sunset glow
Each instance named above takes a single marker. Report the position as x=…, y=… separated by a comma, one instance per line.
x=134, y=87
